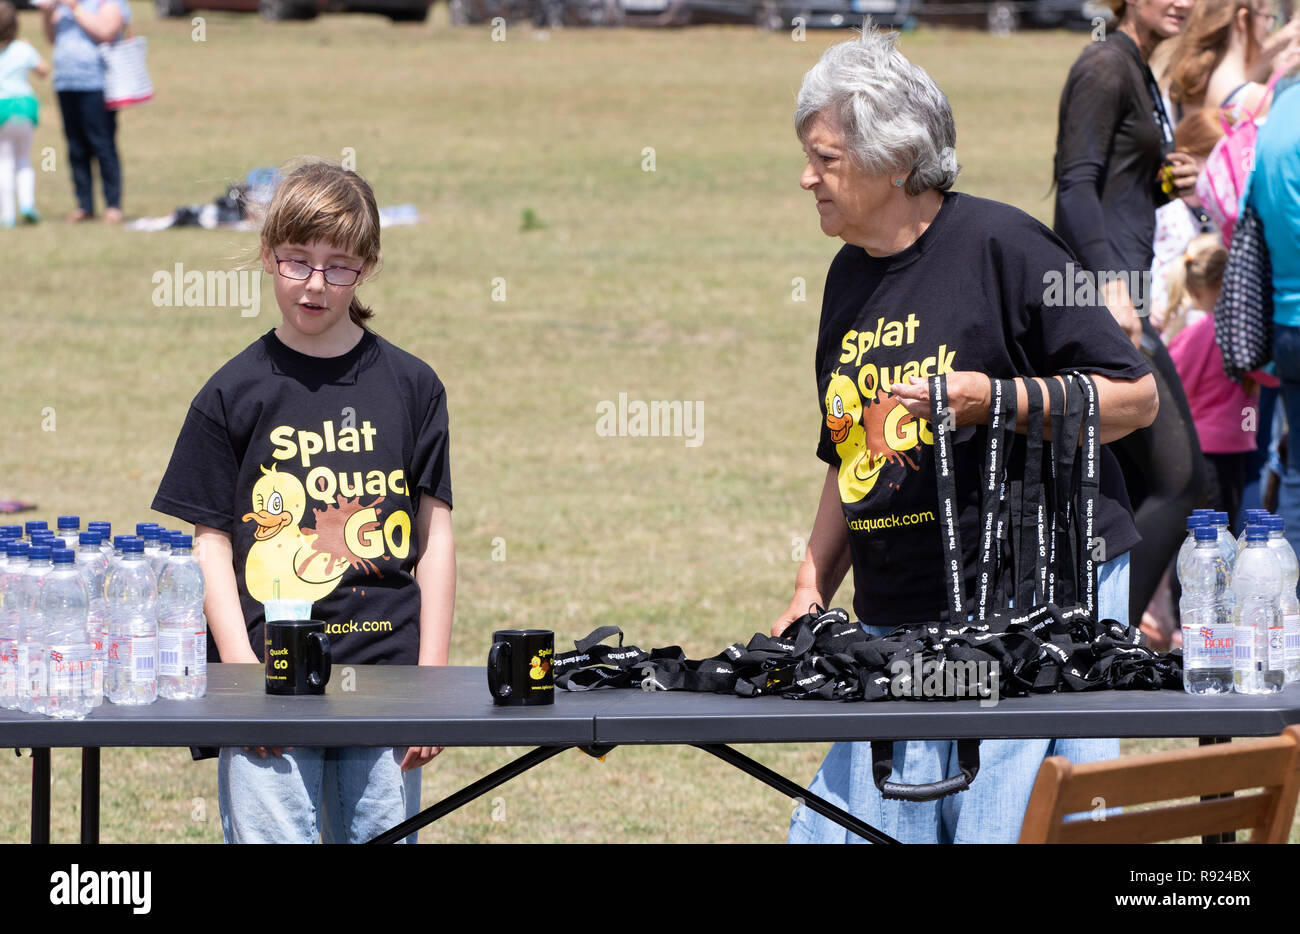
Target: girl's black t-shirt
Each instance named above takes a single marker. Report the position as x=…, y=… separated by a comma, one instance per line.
x=969, y=294
x=316, y=467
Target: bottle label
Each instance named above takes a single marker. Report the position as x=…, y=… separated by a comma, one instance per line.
x=133, y=657
x=169, y=655
x=1291, y=629
x=71, y=672
x=1206, y=645
x=200, y=654
x=1276, y=645
x=1243, y=649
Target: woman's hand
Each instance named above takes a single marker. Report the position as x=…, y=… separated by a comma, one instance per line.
x=803, y=599
x=968, y=397
x=1180, y=172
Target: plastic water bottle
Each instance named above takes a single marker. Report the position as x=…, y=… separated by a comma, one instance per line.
x=93, y=565
x=105, y=530
x=1195, y=521
x=1206, y=612
x=182, y=628
x=1289, y=605
x=69, y=528
x=151, y=533
x=132, y=597
x=1253, y=517
x=13, y=597
x=31, y=633
x=1259, y=659
x=1227, y=544
x=69, y=661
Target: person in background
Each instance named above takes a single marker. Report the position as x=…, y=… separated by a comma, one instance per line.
x=76, y=28
x=1181, y=220
x=1114, y=148
x=1226, y=413
x=1225, y=56
x=19, y=116
x=1275, y=193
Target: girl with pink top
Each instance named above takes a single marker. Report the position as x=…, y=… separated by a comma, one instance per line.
x=1226, y=413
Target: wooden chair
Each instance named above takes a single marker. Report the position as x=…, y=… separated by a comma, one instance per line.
x=1064, y=788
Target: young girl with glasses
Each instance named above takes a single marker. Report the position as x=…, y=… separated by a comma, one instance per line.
x=314, y=466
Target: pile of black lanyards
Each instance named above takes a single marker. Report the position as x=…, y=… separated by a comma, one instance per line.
x=1037, y=528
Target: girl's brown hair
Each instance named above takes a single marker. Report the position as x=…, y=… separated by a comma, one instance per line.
x=1203, y=44
x=1200, y=268
x=8, y=22
x=321, y=200
x=1197, y=132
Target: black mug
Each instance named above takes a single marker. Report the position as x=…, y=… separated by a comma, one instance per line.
x=519, y=667
x=298, y=656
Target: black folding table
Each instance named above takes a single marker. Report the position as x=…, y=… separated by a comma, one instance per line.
x=369, y=705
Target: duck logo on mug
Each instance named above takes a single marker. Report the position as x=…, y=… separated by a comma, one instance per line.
x=520, y=667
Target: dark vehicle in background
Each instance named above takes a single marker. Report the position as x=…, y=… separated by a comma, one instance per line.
x=399, y=11
x=539, y=12
x=769, y=14
x=1003, y=17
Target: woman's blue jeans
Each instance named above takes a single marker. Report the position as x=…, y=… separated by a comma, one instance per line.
x=991, y=810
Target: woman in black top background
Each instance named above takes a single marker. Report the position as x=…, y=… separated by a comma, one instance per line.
x=1113, y=150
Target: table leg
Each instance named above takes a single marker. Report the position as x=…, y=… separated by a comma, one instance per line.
x=90, y=795
x=792, y=790
x=469, y=793
x=1231, y=835
x=40, y=796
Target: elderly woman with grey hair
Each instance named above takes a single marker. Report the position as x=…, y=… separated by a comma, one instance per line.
x=931, y=282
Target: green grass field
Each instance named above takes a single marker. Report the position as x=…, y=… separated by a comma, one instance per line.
x=670, y=284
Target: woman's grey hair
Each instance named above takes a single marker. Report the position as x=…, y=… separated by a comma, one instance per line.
x=893, y=115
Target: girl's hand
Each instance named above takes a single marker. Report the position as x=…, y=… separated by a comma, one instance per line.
x=417, y=756
x=804, y=597
x=968, y=397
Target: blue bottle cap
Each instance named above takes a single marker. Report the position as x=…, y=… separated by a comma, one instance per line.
x=181, y=540
x=56, y=543
x=1202, y=512
x=149, y=533
x=64, y=556
x=69, y=522
x=1196, y=520
x=40, y=535
x=39, y=553
x=1221, y=518
x=34, y=524
x=17, y=549
x=11, y=531
x=89, y=538
x=1256, y=533
x=120, y=540
x=1275, y=524
x=106, y=526
x=1206, y=533
x=133, y=546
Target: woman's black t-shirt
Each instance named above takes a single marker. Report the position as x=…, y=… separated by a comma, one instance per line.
x=969, y=294
x=316, y=467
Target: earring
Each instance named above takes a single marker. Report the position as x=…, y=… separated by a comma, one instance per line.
x=898, y=183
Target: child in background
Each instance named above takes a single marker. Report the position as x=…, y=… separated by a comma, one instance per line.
x=19, y=116
x=1183, y=218
x=314, y=466
x=1225, y=413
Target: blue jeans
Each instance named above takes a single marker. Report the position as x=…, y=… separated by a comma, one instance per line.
x=1286, y=357
x=346, y=795
x=994, y=806
x=91, y=130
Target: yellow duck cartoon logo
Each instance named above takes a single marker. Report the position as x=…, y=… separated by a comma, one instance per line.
x=860, y=435
x=858, y=467
x=281, y=551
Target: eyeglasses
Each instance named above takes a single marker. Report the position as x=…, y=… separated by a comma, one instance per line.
x=334, y=275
